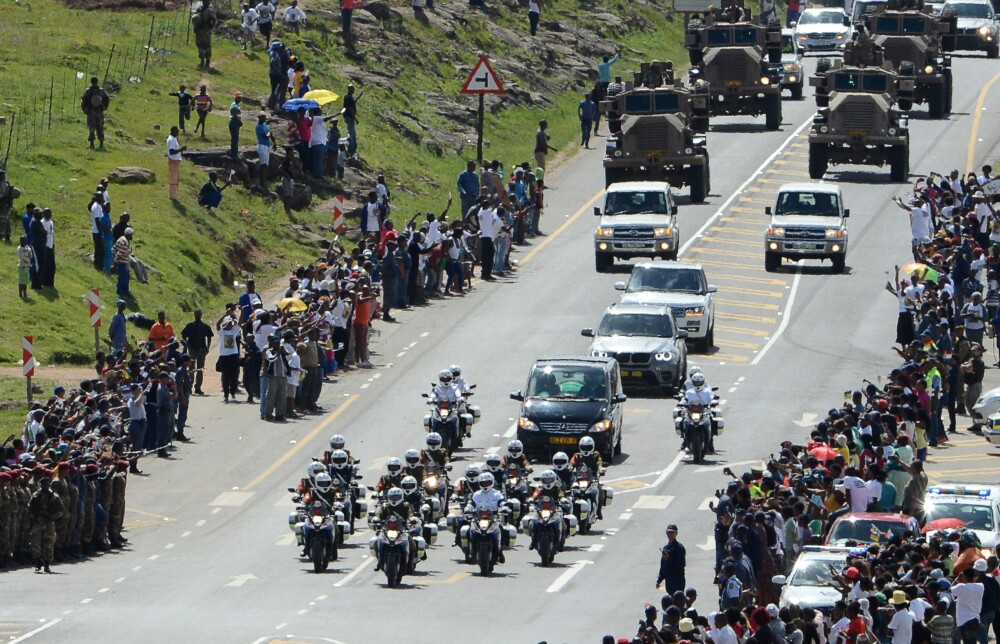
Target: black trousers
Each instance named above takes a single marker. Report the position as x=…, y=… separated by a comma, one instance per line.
x=486, y=255
x=98, y=251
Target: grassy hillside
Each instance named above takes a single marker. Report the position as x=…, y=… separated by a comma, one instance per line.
x=414, y=127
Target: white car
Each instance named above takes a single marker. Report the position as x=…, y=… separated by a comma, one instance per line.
x=823, y=29
x=987, y=405
x=977, y=26
x=810, y=584
x=963, y=506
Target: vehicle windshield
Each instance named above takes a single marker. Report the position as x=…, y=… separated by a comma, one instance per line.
x=717, y=37
x=815, y=573
x=745, y=36
x=887, y=25
x=844, y=82
x=640, y=325
x=666, y=103
x=970, y=9
x=863, y=8
x=817, y=204
x=572, y=383
x=821, y=18
x=865, y=531
x=874, y=83
x=665, y=280
x=637, y=103
x=631, y=203
x=972, y=516
x=914, y=25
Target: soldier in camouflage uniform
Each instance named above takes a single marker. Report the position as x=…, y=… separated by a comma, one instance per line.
x=203, y=22
x=103, y=510
x=117, y=512
x=45, y=508
x=89, y=503
x=6, y=518
x=8, y=194
x=62, y=485
x=25, y=489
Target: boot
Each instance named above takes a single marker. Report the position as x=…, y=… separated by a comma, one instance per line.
x=501, y=558
x=534, y=543
x=47, y=569
x=38, y=565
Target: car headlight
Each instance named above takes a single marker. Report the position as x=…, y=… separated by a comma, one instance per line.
x=599, y=353
x=618, y=153
x=791, y=67
x=605, y=232
x=776, y=231
x=600, y=426
x=688, y=151
x=834, y=232
x=696, y=311
x=662, y=232
x=984, y=30
x=792, y=78
x=764, y=80
x=527, y=424
x=664, y=356
x=929, y=69
x=803, y=37
x=840, y=36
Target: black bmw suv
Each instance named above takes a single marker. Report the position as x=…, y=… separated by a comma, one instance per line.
x=568, y=398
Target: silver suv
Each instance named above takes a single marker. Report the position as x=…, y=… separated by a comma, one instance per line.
x=639, y=220
x=683, y=288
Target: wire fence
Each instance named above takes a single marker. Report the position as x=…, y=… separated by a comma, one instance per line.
x=29, y=110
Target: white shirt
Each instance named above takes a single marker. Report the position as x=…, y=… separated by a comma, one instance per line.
x=265, y=11
x=318, y=133
x=370, y=212
x=838, y=631
x=902, y=627
x=261, y=333
x=462, y=385
x=442, y=392
x=703, y=397
x=858, y=493
x=956, y=186
x=874, y=488
x=919, y=608
x=382, y=191
x=968, y=601
x=250, y=18
x=983, y=180
x=975, y=316
x=50, y=233
x=491, y=499
x=339, y=314
x=173, y=144
x=533, y=6
x=724, y=635
x=977, y=265
x=227, y=341
x=294, y=369
x=489, y=223
x=294, y=15
x=95, y=217
x=920, y=223
x=983, y=216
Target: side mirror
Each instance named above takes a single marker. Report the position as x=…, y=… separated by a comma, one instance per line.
x=371, y=488
x=597, y=211
x=712, y=288
x=673, y=210
x=619, y=286
x=778, y=580
x=293, y=490
x=472, y=386
x=588, y=333
x=517, y=395
x=847, y=213
x=619, y=399
x=425, y=395
x=767, y=210
x=447, y=468
x=847, y=21
x=682, y=334
x=358, y=477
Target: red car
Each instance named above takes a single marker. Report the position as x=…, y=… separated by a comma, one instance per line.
x=871, y=527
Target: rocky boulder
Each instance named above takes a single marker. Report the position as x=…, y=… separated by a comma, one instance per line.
x=131, y=175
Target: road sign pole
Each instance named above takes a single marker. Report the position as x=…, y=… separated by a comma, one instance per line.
x=28, y=360
x=479, y=130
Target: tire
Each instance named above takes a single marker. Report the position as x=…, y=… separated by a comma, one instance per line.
x=333, y=554
x=317, y=552
x=393, y=574
x=899, y=161
x=905, y=104
x=545, y=548
x=993, y=52
x=797, y=92
x=617, y=450
x=772, y=111
x=705, y=344
x=603, y=262
x=697, y=445
x=700, y=124
x=483, y=556
x=949, y=87
x=936, y=102
x=771, y=261
x=819, y=160
x=822, y=100
x=699, y=175
x=839, y=263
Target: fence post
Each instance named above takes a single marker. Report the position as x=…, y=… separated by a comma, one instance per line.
x=52, y=87
x=108, y=67
x=149, y=43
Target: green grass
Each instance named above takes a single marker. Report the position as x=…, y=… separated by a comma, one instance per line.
x=41, y=41
x=14, y=401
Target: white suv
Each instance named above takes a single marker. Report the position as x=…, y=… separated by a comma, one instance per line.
x=683, y=288
x=639, y=220
x=808, y=222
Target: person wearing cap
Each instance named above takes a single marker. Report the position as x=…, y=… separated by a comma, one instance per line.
x=973, y=371
x=235, y=124
x=673, y=561
x=44, y=509
x=276, y=369
x=122, y=251
x=985, y=574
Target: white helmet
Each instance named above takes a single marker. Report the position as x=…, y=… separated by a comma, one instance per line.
x=515, y=448
x=393, y=466
x=395, y=496
x=315, y=469
x=493, y=462
x=339, y=459
x=560, y=461
x=695, y=369
x=324, y=482
x=472, y=472
x=434, y=441
x=409, y=484
x=586, y=445
x=455, y=370
x=337, y=442
x=412, y=457
x=548, y=479
x=698, y=380
x=445, y=377
x=486, y=481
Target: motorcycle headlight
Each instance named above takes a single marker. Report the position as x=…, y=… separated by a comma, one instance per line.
x=664, y=356
x=601, y=426
x=929, y=69
x=776, y=231
x=392, y=534
x=317, y=520
x=512, y=481
x=663, y=232
x=834, y=232
x=764, y=80
x=484, y=524
x=696, y=416
x=546, y=514
x=443, y=413
x=431, y=481
x=526, y=424
x=605, y=232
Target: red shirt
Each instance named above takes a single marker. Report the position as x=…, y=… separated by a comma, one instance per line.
x=305, y=128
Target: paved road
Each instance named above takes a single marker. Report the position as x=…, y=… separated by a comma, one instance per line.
x=212, y=559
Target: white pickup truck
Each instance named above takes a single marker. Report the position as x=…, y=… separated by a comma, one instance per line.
x=808, y=222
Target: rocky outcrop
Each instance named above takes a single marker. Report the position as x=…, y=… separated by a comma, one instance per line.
x=126, y=175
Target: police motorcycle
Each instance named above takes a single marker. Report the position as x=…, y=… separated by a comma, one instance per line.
x=494, y=465
x=445, y=417
x=462, y=494
x=423, y=506
x=696, y=419
x=437, y=489
x=349, y=493
x=585, y=489
x=485, y=532
x=465, y=409
x=550, y=519
x=516, y=487
x=398, y=544
x=319, y=524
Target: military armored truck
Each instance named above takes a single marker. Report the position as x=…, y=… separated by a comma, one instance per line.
x=856, y=121
x=731, y=52
x=657, y=128
x=915, y=41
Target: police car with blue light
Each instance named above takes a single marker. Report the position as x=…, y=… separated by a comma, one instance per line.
x=959, y=506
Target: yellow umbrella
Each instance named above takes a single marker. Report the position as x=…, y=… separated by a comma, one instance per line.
x=321, y=96
x=292, y=304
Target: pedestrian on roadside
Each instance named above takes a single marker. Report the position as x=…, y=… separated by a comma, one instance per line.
x=294, y=17
x=197, y=335
x=468, y=186
x=235, y=123
x=363, y=310
x=182, y=380
x=230, y=340
x=534, y=13
x=184, y=104
x=265, y=11
x=25, y=260
x=96, y=208
x=265, y=141
x=94, y=103
x=161, y=333
x=49, y=260
x=123, y=259
x=542, y=146
x=165, y=398
x=586, y=111
x=673, y=561
x=973, y=371
x=317, y=141
x=489, y=226
x=37, y=239
x=121, y=225
x=202, y=105
x=346, y=10
x=332, y=147
x=350, y=114
x=117, y=330
x=107, y=236
x=174, y=156
x=276, y=369
x=248, y=26
x=136, y=403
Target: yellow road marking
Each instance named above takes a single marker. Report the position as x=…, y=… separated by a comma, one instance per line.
x=767, y=281
x=756, y=291
x=458, y=576
x=742, y=267
x=766, y=180
x=749, y=305
x=941, y=475
x=751, y=199
x=731, y=242
x=790, y=173
x=763, y=319
x=628, y=484
x=971, y=456
x=770, y=191
x=756, y=211
x=760, y=333
x=786, y=162
x=970, y=155
x=149, y=514
x=728, y=357
x=739, y=231
x=727, y=253
x=273, y=467
x=737, y=344
x=560, y=230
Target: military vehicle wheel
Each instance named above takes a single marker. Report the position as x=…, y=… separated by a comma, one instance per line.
x=839, y=263
x=819, y=160
x=936, y=102
x=822, y=100
x=905, y=104
x=700, y=124
x=771, y=262
x=993, y=52
x=613, y=175
x=699, y=183
x=772, y=111
x=797, y=92
x=899, y=162
x=603, y=262
x=949, y=86
x=823, y=65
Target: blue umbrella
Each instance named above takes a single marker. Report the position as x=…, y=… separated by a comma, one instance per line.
x=296, y=103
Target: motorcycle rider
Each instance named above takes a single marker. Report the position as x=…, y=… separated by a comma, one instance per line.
x=446, y=389
x=700, y=394
x=494, y=465
x=413, y=466
x=412, y=493
x=488, y=498
x=434, y=454
x=393, y=477
x=516, y=456
x=464, y=489
x=688, y=384
x=463, y=387
x=548, y=489
x=589, y=458
x=394, y=505
x=560, y=463
x=338, y=442
x=342, y=473
x=308, y=483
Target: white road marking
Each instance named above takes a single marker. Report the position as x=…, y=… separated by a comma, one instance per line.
x=303, y=611
x=232, y=499
x=280, y=626
x=709, y=543
x=365, y=562
x=87, y=600
x=38, y=630
x=412, y=344
x=668, y=470
x=240, y=580
x=321, y=598
x=564, y=578
x=425, y=334
x=595, y=547
x=67, y=612
x=741, y=379
x=401, y=354
x=119, y=580
x=217, y=510
x=186, y=533
x=624, y=516
x=511, y=430
x=154, y=557
x=378, y=375
x=366, y=385
x=784, y=319
x=704, y=504
x=720, y=467
x=731, y=390
x=652, y=502
x=136, y=568
x=104, y=590
x=629, y=478
x=168, y=546
x=200, y=523
x=611, y=531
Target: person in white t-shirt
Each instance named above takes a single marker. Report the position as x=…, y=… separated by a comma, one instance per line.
x=968, y=605
x=248, y=25
x=174, y=150
x=921, y=223
x=294, y=16
x=295, y=372
x=856, y=490
x=317, y=142
x=838, y=629
x=902, y=620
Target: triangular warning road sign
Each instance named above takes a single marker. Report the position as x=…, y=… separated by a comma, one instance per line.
x=483, y=80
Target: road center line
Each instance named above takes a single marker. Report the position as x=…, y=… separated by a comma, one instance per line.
x=784, y=318
x=354, y=573
x=564, y=578
x=38, y=630
x=558, y=231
